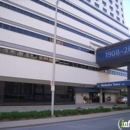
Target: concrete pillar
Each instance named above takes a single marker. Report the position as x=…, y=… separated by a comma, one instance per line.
x=100, y=95
x=128, y=87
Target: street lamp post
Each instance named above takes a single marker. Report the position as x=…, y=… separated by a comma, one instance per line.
x=54, y=59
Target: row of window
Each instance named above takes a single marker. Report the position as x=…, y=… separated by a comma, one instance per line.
x=97, y=11
x=77, y=19
x=52, y=23
x=42, y=37
x=93, y=16
x=111, y=14
x=111, y=2
x=115, y=73
x=48, y=59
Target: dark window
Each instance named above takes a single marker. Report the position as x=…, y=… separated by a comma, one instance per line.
x=110, y=1
x=104, y=10
x=12, y=52
x=118, y=18
x=25, y=32
x=89, y=0
x=7, y=6
x=44, y=38
x=0, y=25
x=121, y=3
x=97, y=5
x=13, y=8
x=6, y=26
x=111, y=14
x=19, y=30
x=122, y=21
x=111, y=8
x=116, y=6
x=75, y=65
x=117, y=12
x=104, y=3
x=4, y=50
x=116, y=0
x=38, y=36
x=13, y=29
x=1, y=4
x=32, y=34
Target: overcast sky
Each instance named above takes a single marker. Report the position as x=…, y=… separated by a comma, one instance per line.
x=126, y=4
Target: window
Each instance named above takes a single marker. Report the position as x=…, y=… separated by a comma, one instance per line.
x=104, y=3
x=97, y=5
x=118, y=18
x=111, y=8
x=20, y=54
x=122, y=21
x=121, y=9
x=32, y=34
x=40, y=58
x=6, y=26
x=117, y=12
x=89, y=0
x=116, y=0
x=13, y=29
x=110, y=1
x=122, y=15
x=4, y=50
x=27, y=55
x=104, y=10
x=111, y=14
x=25, y=32
x=0, y=25
x=121, y=3
x=19, y=30
x=116, y=6
x=45, y=58
x=50, y=60
x=12, y=52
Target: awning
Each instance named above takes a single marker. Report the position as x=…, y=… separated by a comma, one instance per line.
x=116, y=84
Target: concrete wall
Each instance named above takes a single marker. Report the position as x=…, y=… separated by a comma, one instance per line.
x=113, y=97
x=79, y=97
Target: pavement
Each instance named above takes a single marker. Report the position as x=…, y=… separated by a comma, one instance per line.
x=101, y=123
x=56, y=107
x=52, y=120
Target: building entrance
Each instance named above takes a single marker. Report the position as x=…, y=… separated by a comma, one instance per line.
x=94, y=96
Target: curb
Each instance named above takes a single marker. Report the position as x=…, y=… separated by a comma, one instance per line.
x=53, y=120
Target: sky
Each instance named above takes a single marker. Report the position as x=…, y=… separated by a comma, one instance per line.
x=126, y=7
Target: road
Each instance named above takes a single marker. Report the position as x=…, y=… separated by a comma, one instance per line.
x=105, y=123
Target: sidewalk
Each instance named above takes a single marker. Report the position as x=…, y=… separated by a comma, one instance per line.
x=56, y=107
x=33, y=122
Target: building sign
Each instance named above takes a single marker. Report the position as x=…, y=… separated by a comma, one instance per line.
x=114, y=53
x=114, y=84
x=113, y=56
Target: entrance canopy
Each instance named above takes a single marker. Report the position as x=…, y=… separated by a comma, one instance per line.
x=113, y=56
x=114, y=84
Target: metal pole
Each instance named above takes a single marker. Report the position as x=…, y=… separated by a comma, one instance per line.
x=54, y=57
x=100, y=95
x=128, y=87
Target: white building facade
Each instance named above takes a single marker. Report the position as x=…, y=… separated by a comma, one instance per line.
x=26, y=49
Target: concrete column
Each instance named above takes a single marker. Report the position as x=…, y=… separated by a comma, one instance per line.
x=128, y=87
x=100, y=95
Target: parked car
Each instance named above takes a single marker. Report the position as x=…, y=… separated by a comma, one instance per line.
x=121, y=100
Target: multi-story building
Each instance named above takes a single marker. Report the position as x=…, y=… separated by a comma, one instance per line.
x=26, y=49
